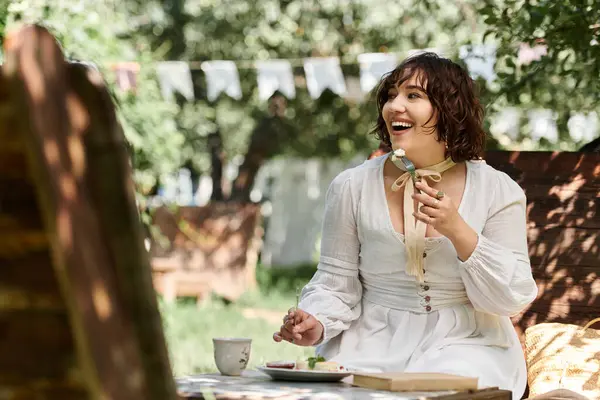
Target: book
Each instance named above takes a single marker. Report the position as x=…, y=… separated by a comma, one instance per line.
x=414, y=382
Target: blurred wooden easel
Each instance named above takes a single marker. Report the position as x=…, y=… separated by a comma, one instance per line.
x=78, y=314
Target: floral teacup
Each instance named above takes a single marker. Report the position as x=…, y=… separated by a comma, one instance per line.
x=232, y=355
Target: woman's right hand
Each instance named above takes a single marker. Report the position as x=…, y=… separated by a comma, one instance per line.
x=300, y=328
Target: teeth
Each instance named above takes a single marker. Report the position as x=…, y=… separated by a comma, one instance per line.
x=403, y=124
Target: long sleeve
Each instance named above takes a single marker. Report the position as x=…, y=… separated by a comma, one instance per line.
x=497, y=276
x=333, y=294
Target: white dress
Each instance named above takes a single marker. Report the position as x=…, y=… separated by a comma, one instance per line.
x=378, y=318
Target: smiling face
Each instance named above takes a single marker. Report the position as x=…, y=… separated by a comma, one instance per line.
x=410, y=118
x=428, y=86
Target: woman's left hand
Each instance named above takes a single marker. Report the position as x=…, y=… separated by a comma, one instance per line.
x=437, y=210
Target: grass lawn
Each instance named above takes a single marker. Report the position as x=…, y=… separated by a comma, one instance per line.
x=189, y=329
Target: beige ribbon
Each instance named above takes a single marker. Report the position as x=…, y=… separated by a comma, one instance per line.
x=414, y=230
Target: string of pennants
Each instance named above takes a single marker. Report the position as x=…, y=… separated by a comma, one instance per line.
x=320, y=73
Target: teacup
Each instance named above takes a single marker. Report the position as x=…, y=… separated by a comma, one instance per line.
x=232, y=355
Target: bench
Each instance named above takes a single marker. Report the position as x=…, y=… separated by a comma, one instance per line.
x=563, y=196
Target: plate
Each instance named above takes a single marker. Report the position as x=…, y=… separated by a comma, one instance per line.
x=301, y=375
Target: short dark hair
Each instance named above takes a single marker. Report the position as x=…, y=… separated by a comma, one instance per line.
x=453, y=96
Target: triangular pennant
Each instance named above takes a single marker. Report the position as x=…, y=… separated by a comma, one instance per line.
x=175, y=76
x=222, y=76
x=275, y=75
x=126, y=75
x=373, y=66
x=324, y=73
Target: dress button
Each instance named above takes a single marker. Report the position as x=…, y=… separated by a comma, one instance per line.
x=425, y=287
x=428, y=308
x=424, y=255
x=427, y=298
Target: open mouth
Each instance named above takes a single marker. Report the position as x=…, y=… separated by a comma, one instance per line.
x=398, y=126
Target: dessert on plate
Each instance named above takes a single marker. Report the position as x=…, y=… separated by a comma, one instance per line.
x=310, y=364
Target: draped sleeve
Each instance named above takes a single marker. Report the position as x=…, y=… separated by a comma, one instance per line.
x=497, y=276
x=333, y=294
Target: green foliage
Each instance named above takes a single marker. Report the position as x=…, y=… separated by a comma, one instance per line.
x=312, y=361
x=167, y=135
x=283, y=279
x=189, y=331
x=198, y=30
x=566, y=79
x=91, y=31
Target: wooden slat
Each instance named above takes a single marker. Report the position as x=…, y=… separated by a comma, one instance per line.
x=580, y=212
x=579, y=274
x=44, y=390
x=112, y=195
x=563, y=233
x=13, y=163
x=18, y=201
x=560, y=245
x=20, y=242
x=32, y=271
x=28, y=283
x=35, y=345
x=560, y=188
x=544, y=164
x=83, y=200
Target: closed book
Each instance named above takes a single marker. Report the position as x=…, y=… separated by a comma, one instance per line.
x=414, y=382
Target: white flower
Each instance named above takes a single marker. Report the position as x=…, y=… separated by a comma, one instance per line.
x=399, y=153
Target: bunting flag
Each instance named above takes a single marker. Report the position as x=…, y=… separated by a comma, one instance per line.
x=373, y=66
x=126, y=75
x=354, y=91
x=324, y=73
x=275, y=75
x=480, y=60
x=222, y=76
x=175, y=77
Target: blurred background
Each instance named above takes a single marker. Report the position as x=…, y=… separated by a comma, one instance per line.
x=239, y=114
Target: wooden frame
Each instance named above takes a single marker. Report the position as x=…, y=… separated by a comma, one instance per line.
x=79, y=175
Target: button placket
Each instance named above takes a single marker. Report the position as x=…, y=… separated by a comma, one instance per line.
x=423, y=287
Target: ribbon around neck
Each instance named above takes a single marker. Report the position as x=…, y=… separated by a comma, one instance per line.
x=414, y=230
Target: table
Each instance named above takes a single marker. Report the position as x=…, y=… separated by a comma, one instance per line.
x=258, y=386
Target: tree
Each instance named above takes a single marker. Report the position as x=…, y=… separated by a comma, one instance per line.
x=91, y=32
x=330, y=126
x=566, y=78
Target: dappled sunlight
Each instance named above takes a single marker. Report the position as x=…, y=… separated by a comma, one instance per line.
x=68, y=188
x=102, y=301
x=35, y=78
x=568, y=190
x=64, y=228
x=51, y=151
x=120, y=356
x=77, y=156
x=563, y=232
x=110, y=309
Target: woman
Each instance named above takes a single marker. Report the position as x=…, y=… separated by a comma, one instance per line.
x=422, y=278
